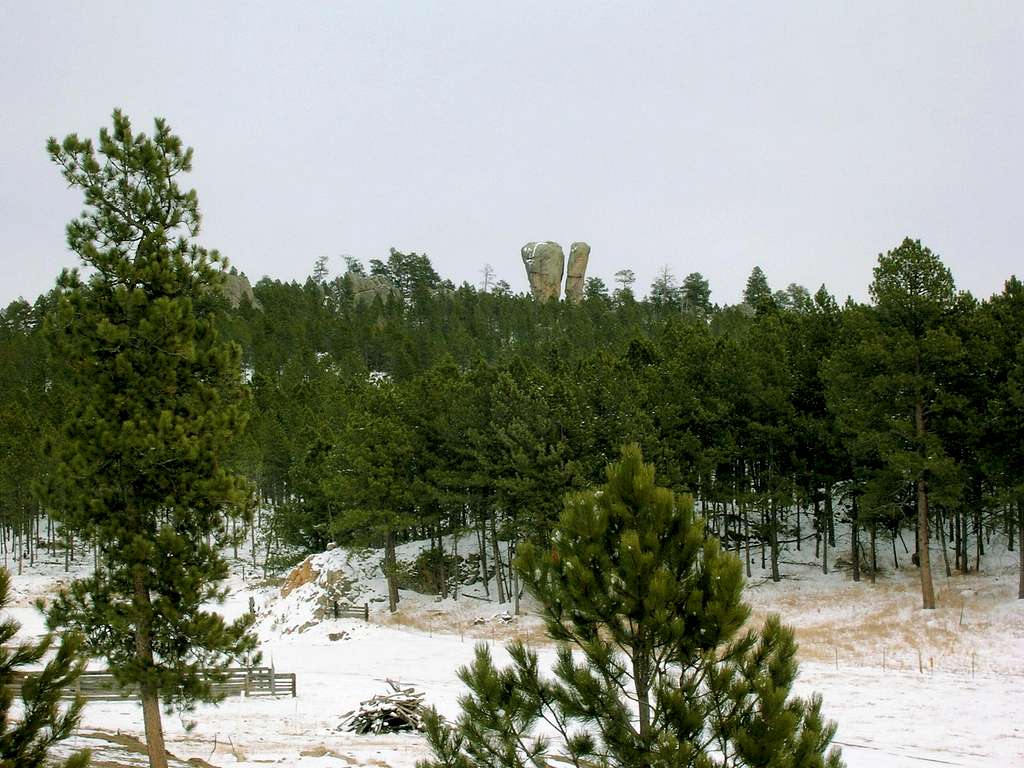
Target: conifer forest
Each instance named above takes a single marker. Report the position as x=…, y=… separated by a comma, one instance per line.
x=450, y=408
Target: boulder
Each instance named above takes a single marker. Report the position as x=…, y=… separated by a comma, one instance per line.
x=545, y=265
x=303, y=573
x=366, y=288
x=332, y=587
x=579, y=255
x=238, y=289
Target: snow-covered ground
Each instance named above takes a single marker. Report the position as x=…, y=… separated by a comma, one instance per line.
x=907, y=687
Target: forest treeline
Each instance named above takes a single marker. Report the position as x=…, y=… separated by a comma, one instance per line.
x=474, y=410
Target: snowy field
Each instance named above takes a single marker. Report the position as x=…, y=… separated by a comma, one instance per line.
x=907, y=688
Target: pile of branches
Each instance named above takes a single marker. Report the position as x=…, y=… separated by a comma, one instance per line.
x=388, y=713
x=504, y=618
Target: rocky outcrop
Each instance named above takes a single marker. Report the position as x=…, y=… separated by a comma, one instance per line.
x=545, y=265
x=331, y=587
x=579, y=255
x=303, y=573
x=366, y=288
x=238, y=289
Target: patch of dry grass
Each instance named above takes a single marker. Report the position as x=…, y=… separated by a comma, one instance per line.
x=526, y=627
x=835, y=621
x=883, y=624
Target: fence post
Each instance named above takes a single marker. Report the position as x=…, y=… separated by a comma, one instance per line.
x=366, y=612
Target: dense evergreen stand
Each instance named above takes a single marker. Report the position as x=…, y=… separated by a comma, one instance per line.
x=786, y=420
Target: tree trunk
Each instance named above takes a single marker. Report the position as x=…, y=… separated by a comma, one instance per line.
x=737, y=528
x=979, y=547
x=830, y=517
x=924, y=561
x=874, y=552
x=499, y=576
x=455, y=559
x=266, y=553
x=1020, y=549
x=855, y=541
x=746, y=534
x=252, y=539
x=391, y=571
x=944, y=545
x=481, y=535
x=764, y=530
x=442, y=571
x=965, y=538
x=642, y=684
x=954, y=534
x=513, y=578
x=817, y=524
x=149, y=693
x=827, y=528
x=774, y=531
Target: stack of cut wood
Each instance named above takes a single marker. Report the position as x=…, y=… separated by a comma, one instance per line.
x=388, y=713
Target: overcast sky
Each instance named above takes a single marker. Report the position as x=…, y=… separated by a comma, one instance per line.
x=802, y=137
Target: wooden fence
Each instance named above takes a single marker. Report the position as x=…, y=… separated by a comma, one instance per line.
x=351, y=611
x=241, y=681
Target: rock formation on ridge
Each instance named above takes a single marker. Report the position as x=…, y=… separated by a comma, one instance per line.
x=579, y=255
x=237, y=289
x=545, y=265
x=365, y=288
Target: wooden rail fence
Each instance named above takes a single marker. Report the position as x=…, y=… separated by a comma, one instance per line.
x=351, y=611
x=240, y=681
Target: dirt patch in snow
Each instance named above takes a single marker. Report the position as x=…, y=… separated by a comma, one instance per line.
x=118, y=750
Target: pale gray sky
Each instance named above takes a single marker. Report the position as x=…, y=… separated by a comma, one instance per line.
x=804, y=137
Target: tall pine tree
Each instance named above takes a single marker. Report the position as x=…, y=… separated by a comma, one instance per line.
x=890, y=377
x=159, y=397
